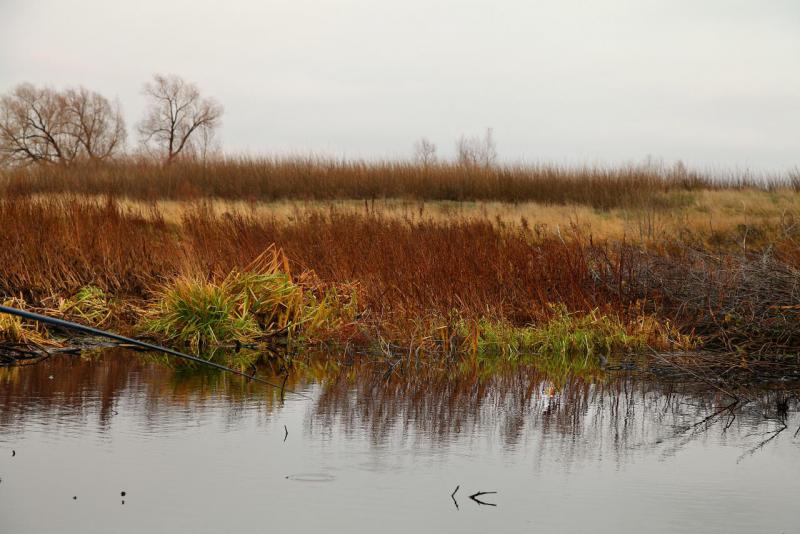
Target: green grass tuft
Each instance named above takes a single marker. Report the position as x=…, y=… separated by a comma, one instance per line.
x=198, y=313
x=250, y=306
x=566, y=337
x=90, y=305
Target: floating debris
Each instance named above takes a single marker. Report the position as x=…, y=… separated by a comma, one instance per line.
x=311, y=477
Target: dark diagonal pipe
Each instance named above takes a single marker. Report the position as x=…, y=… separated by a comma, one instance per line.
x=52, y=321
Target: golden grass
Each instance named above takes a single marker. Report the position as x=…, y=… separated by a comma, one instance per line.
x=16, y=330
x=708, y=214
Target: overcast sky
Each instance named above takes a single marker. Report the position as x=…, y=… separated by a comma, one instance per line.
x=713, y=82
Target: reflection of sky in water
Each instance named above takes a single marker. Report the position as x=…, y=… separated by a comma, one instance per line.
x=205, y=453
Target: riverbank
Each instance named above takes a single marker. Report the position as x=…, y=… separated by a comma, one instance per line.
x=370, y=279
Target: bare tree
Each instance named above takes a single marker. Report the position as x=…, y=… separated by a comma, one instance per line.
x=42, y=125
x=33, y=126
x=96, y=125
x=176, y=115
x=425, y=152
x=476, y=151
x=467, y=151
x=205, y=146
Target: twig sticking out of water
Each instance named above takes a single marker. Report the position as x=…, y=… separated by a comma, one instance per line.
x=658, y=356
x=283, y=385
x=475, y=498
x=286, y=433
x=453, y=496
x=772, y=435
x=706, y=421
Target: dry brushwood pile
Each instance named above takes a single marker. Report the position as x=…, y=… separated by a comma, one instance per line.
x=735, y=302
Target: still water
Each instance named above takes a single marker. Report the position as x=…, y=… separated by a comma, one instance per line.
x=206, y=452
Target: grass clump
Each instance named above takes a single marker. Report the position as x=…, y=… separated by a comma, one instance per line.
x=270, y=298
x=260, y=303
x=15, y=330
x=89, y=305
x=567, y=337
x=199, y=313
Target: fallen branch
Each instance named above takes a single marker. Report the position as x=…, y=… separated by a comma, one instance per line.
x=453, y=496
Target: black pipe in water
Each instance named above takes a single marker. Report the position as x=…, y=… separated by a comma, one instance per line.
x=60, y=323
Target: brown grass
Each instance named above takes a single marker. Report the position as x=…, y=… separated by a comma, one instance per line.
x=325, y=179
x=411, y=275
x=57, y=247
x=729, y=217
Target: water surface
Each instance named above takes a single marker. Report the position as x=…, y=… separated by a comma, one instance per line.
x=206, y=452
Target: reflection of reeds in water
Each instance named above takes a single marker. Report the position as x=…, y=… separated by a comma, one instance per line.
x=570, y=415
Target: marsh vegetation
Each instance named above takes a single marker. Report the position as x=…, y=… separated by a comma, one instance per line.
x=468, y=259
x=611, y=318
x=437, y=278
x=372, y=258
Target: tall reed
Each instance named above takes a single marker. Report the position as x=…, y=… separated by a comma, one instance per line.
x=399, y=271
x=320, y=178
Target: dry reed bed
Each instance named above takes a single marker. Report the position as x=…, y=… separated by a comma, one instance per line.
x=57, y=247
x=722, y=218
x=409, y=275
x=318, y=178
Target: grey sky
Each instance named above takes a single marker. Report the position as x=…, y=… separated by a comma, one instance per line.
x=712, y=82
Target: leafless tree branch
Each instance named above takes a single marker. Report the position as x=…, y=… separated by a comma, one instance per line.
x=178, y=120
